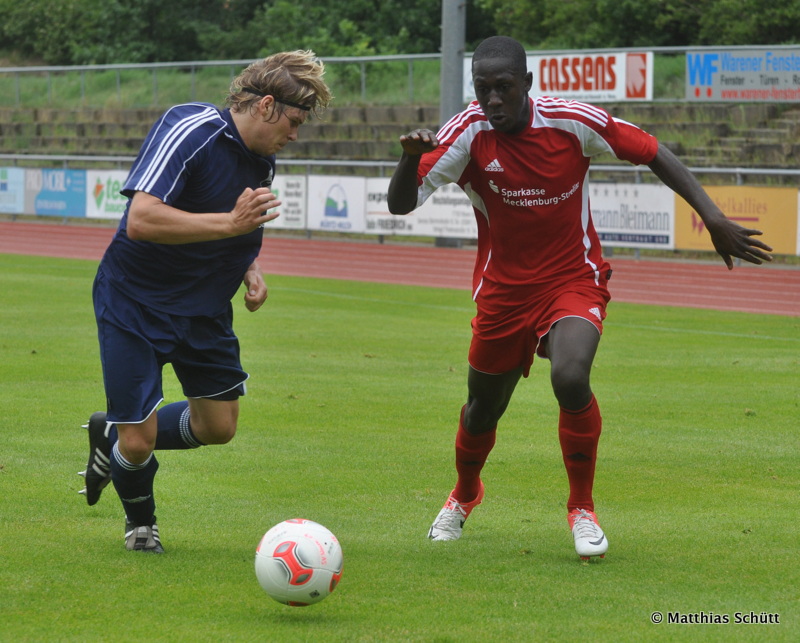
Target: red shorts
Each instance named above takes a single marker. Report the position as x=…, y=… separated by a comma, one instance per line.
x=506, y=337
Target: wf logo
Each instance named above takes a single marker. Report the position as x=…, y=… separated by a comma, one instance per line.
x=701, y=69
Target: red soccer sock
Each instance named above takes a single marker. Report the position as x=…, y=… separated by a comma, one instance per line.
x=579, y=433
x=471, y=453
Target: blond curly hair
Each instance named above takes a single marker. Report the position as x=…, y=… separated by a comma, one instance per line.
x=293, y=76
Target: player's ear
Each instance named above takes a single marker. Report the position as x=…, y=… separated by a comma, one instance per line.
x=266, y=107
x=528, y=82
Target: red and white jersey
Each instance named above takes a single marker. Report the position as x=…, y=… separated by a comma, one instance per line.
x=530, y=191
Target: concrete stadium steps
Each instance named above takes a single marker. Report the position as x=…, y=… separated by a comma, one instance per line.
x=758, y=135
x=357, y=133
x=752, y=134
x=360, y=133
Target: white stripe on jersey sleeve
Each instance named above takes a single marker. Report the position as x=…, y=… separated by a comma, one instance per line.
x=457, y=121
x=553, y=106
x=168, y=145
x=592, y=143
x=449, y=167
x=156, y=140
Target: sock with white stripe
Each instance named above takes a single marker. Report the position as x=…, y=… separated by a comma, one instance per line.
x=175, y=429
x=134, y=485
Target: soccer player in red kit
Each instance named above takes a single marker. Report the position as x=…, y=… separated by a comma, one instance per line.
x=540, y=280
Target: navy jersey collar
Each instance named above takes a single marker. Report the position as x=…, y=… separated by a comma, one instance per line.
x=234, y=134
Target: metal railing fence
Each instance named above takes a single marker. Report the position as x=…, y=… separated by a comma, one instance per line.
x=735, y=175
x=363, y=79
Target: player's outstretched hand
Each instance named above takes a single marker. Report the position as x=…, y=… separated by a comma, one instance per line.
x=732, y=240
x=252, y=209
x=419, y=142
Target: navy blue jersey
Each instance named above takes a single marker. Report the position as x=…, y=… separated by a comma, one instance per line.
x=195, y=160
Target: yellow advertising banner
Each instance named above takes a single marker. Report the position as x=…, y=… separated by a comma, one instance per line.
x=774, y=211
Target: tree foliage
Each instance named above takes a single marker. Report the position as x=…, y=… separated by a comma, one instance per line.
x=71, y=32
x=129, y=31
x=748, y=22
x=354, y=28
x=574, y=24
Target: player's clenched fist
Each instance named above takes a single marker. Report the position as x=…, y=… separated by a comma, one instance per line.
x=419, y=141
x=253, y=208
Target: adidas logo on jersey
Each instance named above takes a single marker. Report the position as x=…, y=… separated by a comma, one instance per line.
x=494, y=166
x=596, y=312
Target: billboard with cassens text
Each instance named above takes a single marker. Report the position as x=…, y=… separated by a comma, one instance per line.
x=593, y=78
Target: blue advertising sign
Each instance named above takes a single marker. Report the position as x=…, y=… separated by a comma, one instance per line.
x=58, y=192
x=743, y=75
x=12, y=190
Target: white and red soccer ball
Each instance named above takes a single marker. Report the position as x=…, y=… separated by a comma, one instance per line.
x=298, y=562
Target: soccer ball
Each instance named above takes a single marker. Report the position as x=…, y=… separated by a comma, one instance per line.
x=298, y=562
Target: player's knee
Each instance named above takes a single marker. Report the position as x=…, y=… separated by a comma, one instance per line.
x=227, y=433
x=214, y=422
x=220, y=432
x=573, y=395
x=136, y=447
x=571, y=387
x=480, y=416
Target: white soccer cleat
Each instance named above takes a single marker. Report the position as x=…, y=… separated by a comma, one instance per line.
x=450, y=521
x=142, y=537
x=589, y=537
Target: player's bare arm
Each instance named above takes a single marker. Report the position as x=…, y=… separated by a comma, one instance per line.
x=150, y=219
x=729, y=238
x=256, y=293
x=402, y=196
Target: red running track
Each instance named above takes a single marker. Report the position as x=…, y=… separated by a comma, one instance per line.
x=752, y=289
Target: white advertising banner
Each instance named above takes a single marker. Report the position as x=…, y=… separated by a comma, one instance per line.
x=593, y=78
x=632, y=215
x=378, y=219
x=336, y=203
x=291, y=190
x=103, y=198
x=447, y=213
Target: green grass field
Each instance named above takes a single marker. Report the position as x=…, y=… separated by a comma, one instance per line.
x=350, y=420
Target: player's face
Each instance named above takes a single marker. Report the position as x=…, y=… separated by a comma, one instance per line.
x=275, y=130
x=502, y=93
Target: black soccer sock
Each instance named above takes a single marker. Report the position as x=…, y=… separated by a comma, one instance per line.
x=134, y=485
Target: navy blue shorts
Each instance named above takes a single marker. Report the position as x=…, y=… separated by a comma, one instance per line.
x=136, y=342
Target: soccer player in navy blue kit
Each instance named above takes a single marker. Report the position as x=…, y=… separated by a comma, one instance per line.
x=199, y=194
